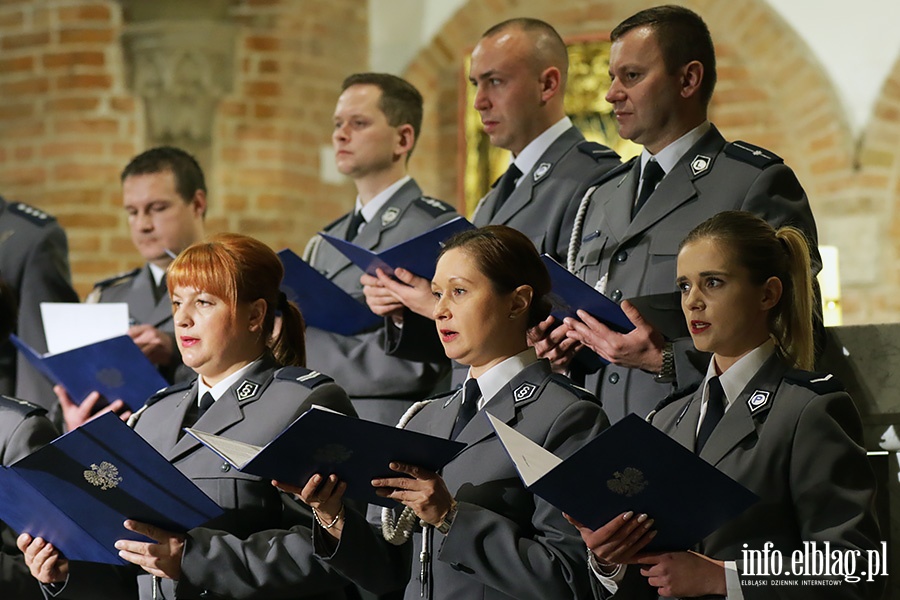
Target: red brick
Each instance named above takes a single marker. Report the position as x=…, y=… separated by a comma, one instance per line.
x=262, y=43
x=22, y=175
x=72, y=59
x=262, y=89
x=72, y=104
x=24, y=87
x=16, y=111
x=13, y=65
x=87, y=126
x=125, y=105
x=93, y=82
x=12, y=19
x=90, y=12
x=69, y=149
x=25, y=40
x=94, y=36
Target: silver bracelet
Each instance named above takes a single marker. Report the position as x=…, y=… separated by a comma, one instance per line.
x=334, y=521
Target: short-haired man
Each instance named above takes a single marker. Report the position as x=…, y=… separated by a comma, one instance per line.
x=663, y=70
x=164, y=195
x=376, y=124
x=34, y=262
x=519, y=69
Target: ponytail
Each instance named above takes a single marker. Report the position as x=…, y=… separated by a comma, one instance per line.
x=791, y=321
x=289, y=344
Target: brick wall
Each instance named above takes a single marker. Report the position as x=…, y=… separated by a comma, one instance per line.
x=68, y=124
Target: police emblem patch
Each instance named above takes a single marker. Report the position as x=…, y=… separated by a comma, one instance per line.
x=757, y=400
x=542, y=170
x=247, y=389
x=524, y=391
x=389, y=216
x=699, y=164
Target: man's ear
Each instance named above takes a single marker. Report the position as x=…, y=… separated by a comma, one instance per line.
x=551, y=80
x=691, y=78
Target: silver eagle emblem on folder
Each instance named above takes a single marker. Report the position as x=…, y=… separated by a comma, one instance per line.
x=104, y=476
x=628, y=482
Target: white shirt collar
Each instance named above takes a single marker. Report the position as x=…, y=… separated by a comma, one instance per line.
x=495, y=379
x=736, y=378
x=669, y=156
x=535, y=149
x=375, y=204
x=157, y=272
x=220, y=388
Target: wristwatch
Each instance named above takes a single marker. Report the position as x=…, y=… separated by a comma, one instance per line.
x=447, y=521
x=667, y=372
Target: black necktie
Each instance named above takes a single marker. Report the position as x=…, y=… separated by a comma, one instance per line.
x=205, y=402
x=715, y=408
x=160, y=289
x=506, y=186
x=650, y=178
x=471, y=394
x=196, y=410
x=353, y=228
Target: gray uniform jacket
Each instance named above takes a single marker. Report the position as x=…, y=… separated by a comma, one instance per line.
x=34, y=262
x=797, y=446
x=23, y=429
x=504, y=542
x=256, y=409
x=135, y=288
x=639, y=257
x=382, y=387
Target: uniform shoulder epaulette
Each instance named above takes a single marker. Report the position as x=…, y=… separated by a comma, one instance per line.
x=303, y=376
x=31, y=214
x=580, y=392
x=616, y=171
x=820, y=383
x=117, y=279
x=752, y=155
x=22, y=408
x=675, y=395
x=167, y=391
x=597, y=151
x=336, y=221
x=433, y=206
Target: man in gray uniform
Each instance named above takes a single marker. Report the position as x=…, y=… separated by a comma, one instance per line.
x=663, y=69
x=519, y=69
x=165, y=198
x=34, y=262
x=376, y=124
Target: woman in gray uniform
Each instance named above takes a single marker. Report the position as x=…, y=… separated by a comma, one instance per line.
x=251, y=385
x=790, y=436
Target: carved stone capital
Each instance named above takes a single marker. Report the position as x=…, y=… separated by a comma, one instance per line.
x=181, y=70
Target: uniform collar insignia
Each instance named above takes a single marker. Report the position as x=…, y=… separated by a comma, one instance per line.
x=524, y=392
x=389, y=216
x=246, y=390
x=700, y=164
x=542, y=170
x=757, y=400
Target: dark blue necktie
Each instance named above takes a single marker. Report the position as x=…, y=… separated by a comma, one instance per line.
x=471, y=394
x=715, y=408
x=355, y=222
x=506, y=186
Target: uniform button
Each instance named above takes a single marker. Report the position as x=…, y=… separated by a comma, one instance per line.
x=616, y=295
x=622, y=256
x=204, y=594
x=614, y=378
x=225, y=467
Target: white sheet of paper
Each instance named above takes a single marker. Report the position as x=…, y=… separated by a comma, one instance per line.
x=69, y=325
x=531, y=460
x=236, y=452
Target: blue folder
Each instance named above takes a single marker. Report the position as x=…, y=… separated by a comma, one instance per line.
x=115, y=367
x=77, y=491
x=634, y=466
x=417, y=255
x=325, y=442
x=324, y=305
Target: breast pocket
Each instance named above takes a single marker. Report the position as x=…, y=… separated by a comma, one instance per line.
x=659, y=276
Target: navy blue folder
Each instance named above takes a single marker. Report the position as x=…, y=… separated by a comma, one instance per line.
x=634, y=466
x=77, y=491
x=324, y=305
x=417, y=255
x=115, y=367
x=325, y=442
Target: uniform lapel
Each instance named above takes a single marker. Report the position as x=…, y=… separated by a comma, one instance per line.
x=541, y=171
x=141, y=299
x=677, y=187
x=229, y=409
x=685, y=432
x=739, y=421
x=164, y=435
x=618, y=203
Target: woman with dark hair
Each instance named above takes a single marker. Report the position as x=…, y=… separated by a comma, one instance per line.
x=251, y=385
x=483, y=534
x=791, y=436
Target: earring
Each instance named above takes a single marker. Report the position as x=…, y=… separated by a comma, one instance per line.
x=512, y=316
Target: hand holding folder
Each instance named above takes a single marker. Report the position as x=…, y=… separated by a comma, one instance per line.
x=417, y=255
x=323, y=304
x=77, y=491
x=631, y=466
x=325, y=442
